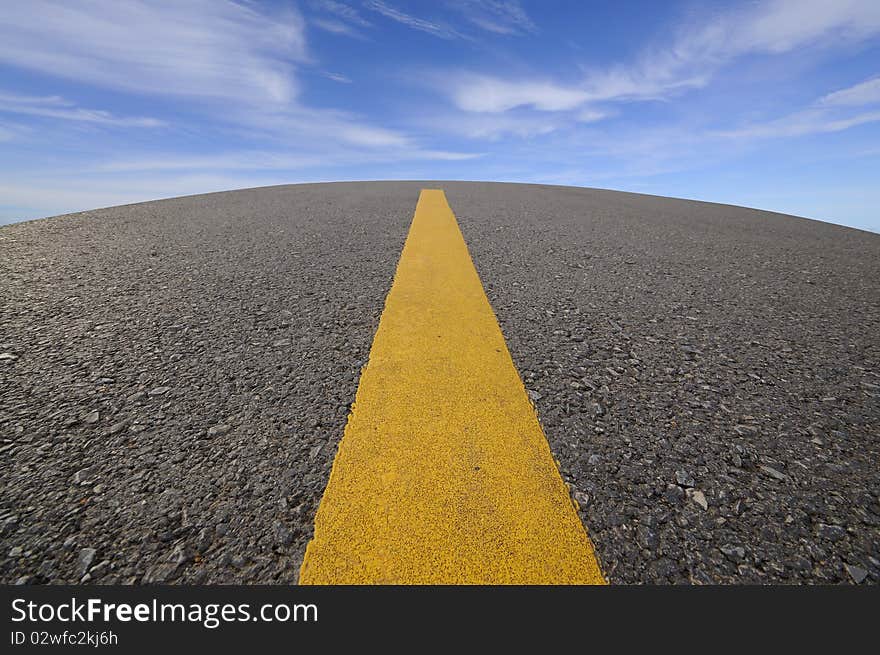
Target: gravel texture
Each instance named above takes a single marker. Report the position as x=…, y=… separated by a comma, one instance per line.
x=182, y=373
x=707, y=375
x=174, y=377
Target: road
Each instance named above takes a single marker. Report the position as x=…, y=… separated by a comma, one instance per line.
x=176, y=377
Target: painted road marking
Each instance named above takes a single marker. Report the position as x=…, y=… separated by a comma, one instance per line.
x=443, y=474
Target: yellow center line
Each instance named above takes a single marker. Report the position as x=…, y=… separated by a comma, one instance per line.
x=443, y=474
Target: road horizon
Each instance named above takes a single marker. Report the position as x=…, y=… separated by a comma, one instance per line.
x=5, y=220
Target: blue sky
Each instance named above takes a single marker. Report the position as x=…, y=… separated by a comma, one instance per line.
x=766, y=104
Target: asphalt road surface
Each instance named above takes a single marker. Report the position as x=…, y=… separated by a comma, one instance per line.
x=175, y=377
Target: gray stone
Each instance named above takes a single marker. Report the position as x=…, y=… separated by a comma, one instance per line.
x=219, y=430
x=181, y=555
x=283, y=535
x=684, y=479
x=87, y=475
x=733, y=552
x=199, y=577
x=698, y=497
x=674, y=494
x=162, y=573
x=46, y=569
x=773, y=473
x=833, y=533
x=204, y=540
x=117, y=427
x=84, y=561
x=857, y=573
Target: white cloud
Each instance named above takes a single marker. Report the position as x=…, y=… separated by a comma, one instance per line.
x=251, y=161
x=337, y=77
x=271, y=160
x=498, y=16
x=32, y=198
x=335, y=27
x=239, y=61
x=827, y=114
x=341, y=10
x=592, y=115
x=810, y=121
x=689, y=61
x=491, y=127
x=784, y=25
x=481, y=93
x=201, y=48
x=363, y=135
x=866, y=93
x=437, y=29
x=445, y=155
x=12, y=131
x=699, y=49
x=312, y=129
x=57, y=107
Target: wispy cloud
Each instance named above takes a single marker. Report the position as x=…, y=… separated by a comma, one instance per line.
x=811, y=121
x=498, y=16
x=689, y=61
x=592, y=115
x=335, y=27
x=505, y=17
x=700, y=48
x=241, y=161
x=437, y=29
x=18, y=197
x=483, y=93
x=57, y=107
x=202, y=48
x=830, y=113
x=8, y=132
x=866, y=93
x=492, y=127
x=193, y=51
x=337, y=77
x=341, y=10
x=270, y=160
x=784, y=25
x=339, y=18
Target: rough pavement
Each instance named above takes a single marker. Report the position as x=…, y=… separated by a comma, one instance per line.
x=709, y=377
x=183, y=375
x=174, y=377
